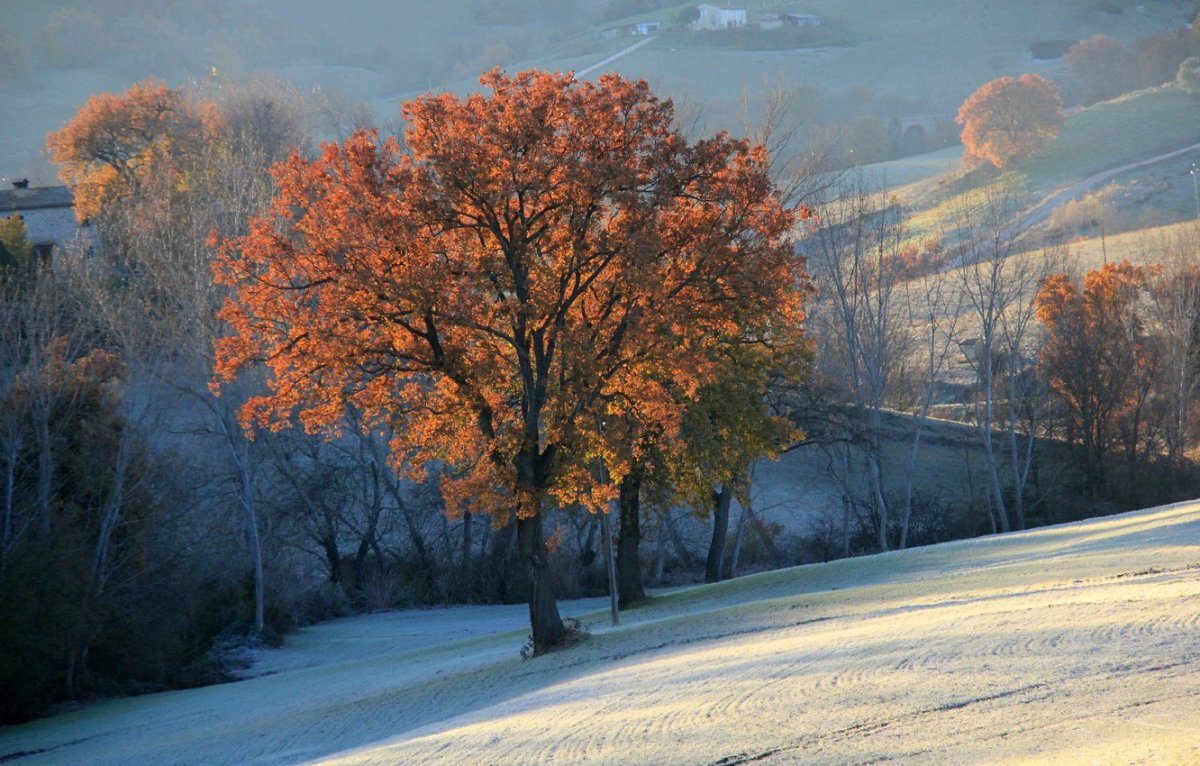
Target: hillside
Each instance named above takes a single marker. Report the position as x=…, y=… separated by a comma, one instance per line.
x=147, y=541
x=1067, y=644
x=870, y=55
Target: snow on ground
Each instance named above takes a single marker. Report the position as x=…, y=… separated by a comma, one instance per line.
x=357, y=638
x=1072, y=644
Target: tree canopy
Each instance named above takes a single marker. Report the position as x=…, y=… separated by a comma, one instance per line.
x=16, y=254
x=1188, y=76
x=1104, y=67
x=531, y=263
x=1010, y=119
x=1097, y=356
x=116, y=143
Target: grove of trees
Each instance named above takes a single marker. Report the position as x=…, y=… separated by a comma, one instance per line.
x=1105, y=68
x=304, y=380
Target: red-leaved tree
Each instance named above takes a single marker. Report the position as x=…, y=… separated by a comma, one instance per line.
x=1099, y=359
x=533, y=263
x=1010, y=119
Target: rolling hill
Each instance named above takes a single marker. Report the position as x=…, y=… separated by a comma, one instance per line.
x=1069, y=644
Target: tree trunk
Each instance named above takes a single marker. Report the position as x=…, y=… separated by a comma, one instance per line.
x=247, y=498
x=544, y=620
x=845, y=525
x=681, y=549
x=908, y=479
x=989, y=454
x=629, y=568
x=739, y=535
x=333, y=556
x=716, y=549
x=110, y=516
x=10, y=484
x=587, y=549
x=45, y=470
x=660, y=552
x=881, y=510
x=1025, y=460
x=465, y=564
x=239, y=451
x=844, y=453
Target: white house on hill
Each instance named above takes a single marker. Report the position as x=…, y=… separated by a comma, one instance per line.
x=713, y=18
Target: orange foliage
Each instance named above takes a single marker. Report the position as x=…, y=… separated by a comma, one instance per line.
x=1009, y=119
x=914, y=262
x=533, y=262
x=1097, y=356
x=115, y=144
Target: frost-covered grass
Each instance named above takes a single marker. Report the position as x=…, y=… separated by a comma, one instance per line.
x=1071, y=644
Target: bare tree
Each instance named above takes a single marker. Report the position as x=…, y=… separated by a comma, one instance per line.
x=858, y=315
x=998, y=287
x=1175, y=310
x=933, y=309
x=154, y=296
x=801, y=165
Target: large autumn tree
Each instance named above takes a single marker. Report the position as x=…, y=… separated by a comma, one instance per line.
x=1010, y=119
x=533, y=262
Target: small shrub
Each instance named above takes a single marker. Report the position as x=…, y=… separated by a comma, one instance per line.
x=1188, y=77
x=1076, y=217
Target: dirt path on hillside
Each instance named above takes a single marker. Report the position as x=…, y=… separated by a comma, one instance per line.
x=1044, y=208
x=623, y=52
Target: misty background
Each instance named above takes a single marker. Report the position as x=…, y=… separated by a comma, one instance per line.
x=866, y=72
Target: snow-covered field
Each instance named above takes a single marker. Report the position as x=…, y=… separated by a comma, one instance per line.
x=1072, y=644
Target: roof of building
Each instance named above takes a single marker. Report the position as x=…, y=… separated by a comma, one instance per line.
x=37, y=198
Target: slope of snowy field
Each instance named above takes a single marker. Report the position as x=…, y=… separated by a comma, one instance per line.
x=1071, y=644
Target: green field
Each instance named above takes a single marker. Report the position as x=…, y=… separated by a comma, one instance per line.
x=1101, y=136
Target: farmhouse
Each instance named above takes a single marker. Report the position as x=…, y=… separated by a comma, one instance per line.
x=767, y=21
x=49, y=216
x=714, y=18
